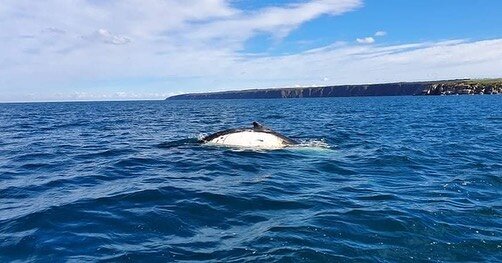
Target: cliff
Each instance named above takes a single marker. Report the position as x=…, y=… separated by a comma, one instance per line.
x=389, y=89
x=471, y=87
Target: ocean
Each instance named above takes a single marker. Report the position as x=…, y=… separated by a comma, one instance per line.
x=376, y=179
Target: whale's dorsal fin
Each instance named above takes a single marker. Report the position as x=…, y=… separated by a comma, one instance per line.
x=257, y=126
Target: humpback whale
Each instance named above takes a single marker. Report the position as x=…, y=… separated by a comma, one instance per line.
x=256, y=137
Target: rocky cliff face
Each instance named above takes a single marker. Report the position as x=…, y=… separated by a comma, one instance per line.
x=390, y=89
x=464, y=87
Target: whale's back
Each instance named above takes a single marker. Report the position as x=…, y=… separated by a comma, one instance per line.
x=256, y=137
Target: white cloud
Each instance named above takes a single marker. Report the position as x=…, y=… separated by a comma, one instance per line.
x=53, y=30
x=275, y=20
x=371, y=40
x=170, y=40
x=421, y=61
x=107, y=37
x=366, y=40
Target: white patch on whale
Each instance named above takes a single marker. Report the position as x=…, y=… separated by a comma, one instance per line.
x=256, y=137
x=250, y=139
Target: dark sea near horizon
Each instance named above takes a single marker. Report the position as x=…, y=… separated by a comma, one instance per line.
x=396, y=179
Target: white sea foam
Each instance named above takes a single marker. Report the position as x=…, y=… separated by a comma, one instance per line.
x=314, y=143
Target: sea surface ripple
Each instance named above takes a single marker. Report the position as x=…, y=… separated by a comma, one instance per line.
x=402, y=179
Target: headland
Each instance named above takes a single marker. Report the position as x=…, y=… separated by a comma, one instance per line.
x=444, y=87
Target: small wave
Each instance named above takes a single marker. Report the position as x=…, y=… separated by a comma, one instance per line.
x=178, y=143
x=201, y=136
x=313, y=143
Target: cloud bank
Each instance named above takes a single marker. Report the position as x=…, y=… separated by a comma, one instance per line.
x=136, y=49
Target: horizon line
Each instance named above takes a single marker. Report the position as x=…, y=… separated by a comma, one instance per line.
x=242, y=90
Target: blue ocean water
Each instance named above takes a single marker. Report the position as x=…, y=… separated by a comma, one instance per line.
x=379, y=179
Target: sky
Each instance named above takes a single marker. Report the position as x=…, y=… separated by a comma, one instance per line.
x=65, y=50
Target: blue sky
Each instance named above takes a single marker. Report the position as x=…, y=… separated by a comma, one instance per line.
x=134, y=49
x=405, y=21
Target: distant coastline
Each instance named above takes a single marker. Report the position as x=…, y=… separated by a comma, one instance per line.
x=443, y=87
